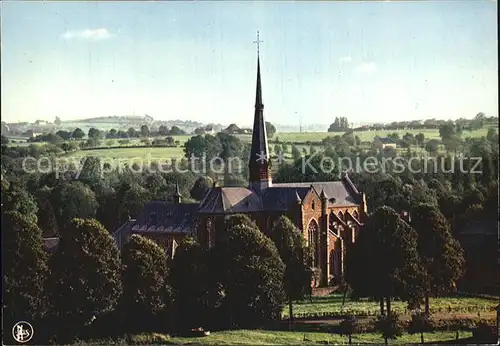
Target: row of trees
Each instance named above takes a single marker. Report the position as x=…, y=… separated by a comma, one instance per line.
x=88, y=286
x=410, y=261
x=475, y=123
x=97, y=134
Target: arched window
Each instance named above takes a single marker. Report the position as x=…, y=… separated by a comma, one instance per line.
x=313, y=241
x=355, y=215
x=269, y=224
x=152, y=218
x=209, y=228
x=312, y=205
x=332, y=263
x=341, y=216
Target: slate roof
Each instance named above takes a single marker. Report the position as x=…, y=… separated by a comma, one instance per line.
x=339, y=193
x=230, y=200
x=278, y=197
x=165, y=217
x=282, y=198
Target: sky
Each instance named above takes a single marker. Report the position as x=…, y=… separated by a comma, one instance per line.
x=367, y=61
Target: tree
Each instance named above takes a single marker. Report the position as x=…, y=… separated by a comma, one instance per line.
x=176, y=130
x=339, y=125
x=270, y=129
x=446, y=130
x=90, y=170
x=16, y=198
x=46, y=216
x=349, y=326
x=420, y=138
x=389, y=326
x=144, y=278
x=5, y=140
x=144, y=131
x=420, y=323
x=24, y=269
x=432, y=146
x=66, y=135
x=296, y=154
x=78, y=133
x=440, y=253
x=112, y=134
x=85, y=282
x=201, y=187
x=250, y=273
x=277, y=149
x=57, y=121
x=196, y=293
x=294, y=254
x=492, y=136
x=163, y=130
x=231, y=146
x=73, y=200
x=94, y=133
x=132, y=132
x=200, y=147
x=384, y=262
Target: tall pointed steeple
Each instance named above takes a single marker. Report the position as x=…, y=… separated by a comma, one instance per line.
x=259, y=173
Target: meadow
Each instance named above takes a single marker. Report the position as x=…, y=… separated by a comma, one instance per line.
x=331, y=305
x=271, y=337
x=161, y=154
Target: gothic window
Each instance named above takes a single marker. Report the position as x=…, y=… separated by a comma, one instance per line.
x=332, y=263
x=341, y=216
x=313, y=241
x=312, y=205
x=152, y=218
x=269, y=224
x=355, y=215
x=209, y=228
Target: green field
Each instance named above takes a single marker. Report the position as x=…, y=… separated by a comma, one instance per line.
x=155, y=154
x=365, y=136
x=331, y=305
x=269, y=337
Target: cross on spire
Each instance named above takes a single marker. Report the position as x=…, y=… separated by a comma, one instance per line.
x=258, y=43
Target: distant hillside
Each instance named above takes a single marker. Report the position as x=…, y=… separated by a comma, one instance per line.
x=117, y=119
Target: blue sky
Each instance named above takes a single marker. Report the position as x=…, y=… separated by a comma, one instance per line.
x=368, y=61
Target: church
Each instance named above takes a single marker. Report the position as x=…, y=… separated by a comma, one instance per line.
x=329, y=214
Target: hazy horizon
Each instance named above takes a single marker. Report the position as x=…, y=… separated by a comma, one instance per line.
x=370, y=62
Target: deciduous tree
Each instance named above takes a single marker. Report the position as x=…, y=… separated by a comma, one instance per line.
x=24, y=269
x=86, y=276
x=294, y=254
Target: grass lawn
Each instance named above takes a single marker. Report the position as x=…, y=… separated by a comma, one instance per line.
x=331, y=305
x=268, y=337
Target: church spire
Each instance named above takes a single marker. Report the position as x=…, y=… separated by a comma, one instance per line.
x=259, y=175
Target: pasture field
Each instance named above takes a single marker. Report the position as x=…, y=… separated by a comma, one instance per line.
x=270, y=337
x=365, y=136
x=155, y=154
x=331, y=305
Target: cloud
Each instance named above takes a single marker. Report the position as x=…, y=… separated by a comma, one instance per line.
x=87, y=34
x=367, y=67
x=345, y=59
